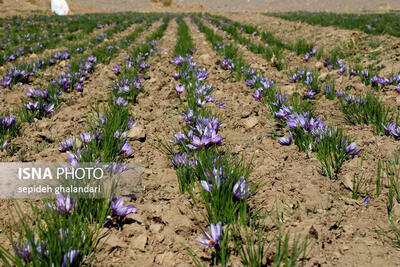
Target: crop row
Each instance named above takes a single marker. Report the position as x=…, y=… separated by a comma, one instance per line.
x=21, y=73
x=378, y=24
x=27, y=40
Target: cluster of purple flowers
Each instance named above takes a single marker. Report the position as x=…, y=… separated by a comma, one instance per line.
x=257, y=81
x=96, y=137
x=64, y=204
x=183, y=160
x=99, y=38
x=309, y=54
x=124, y=86
x=6, y=124
x=298, y=76
x=111, y=48
x=228, y=64
x=203, y=132
x=138, y=62
x=374, y=80
x=60, y=55
x=392, y=129
x=218, y=178
x=349, y=98
x=41, y=102
x=24, y=251
x=65, y=81
x=16, y=74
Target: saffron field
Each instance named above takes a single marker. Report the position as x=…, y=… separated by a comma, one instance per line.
x=262, y=140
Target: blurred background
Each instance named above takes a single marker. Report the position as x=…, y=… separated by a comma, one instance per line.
x=83, y=6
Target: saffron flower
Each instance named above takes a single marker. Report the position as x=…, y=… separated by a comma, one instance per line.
x=5, y=144
x=121, y=101
x=69, y=257
x=116, y=69
x=211, y=240
x=64, y=204
x=240, y=189
x=351, y=149
x=117, y=208
x=126, y=149
x=258, y=94
x=67, y=145
x=286, y=141
x=180, y=88
x=310, y=94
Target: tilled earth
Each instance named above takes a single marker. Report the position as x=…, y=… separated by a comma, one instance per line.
x=341, y=231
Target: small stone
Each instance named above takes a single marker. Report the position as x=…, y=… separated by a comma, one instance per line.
x=205, y=58
x=156, y=228
x=250, y=122
x=114, y=241
x=165, y=259
x=137, y=133
x=323, y=76
x=319, y=65
x=140, y=241
x=313, y=232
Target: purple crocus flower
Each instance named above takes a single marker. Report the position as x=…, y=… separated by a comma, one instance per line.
x=79, y=87
x=179, y=160
x=64, y=204
x=351, y=149
x=117, y=208
x=52, y=61
x=211, y=240
x=398, y=88
x=198, y=143
x=121, y=101
x=258, y=94
x=5, y=144
x=215, y=138
x=240, y=189
x=48, y=108
x=67, y=145
x=286, y=141
x=353, y=72
x=69, y=257
x=8, y=121
x=86, y=138
x=177, y=76
x=180, y=88
x=116, y=69
x=66, y=55
x=310, y=93
x=367, y=200
x=188, y=117
x=222, y=105
x=73, y=159
x=6, y=81
x=25, y=251
x=126, y=149
x=392, y=129
x=32, y=105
